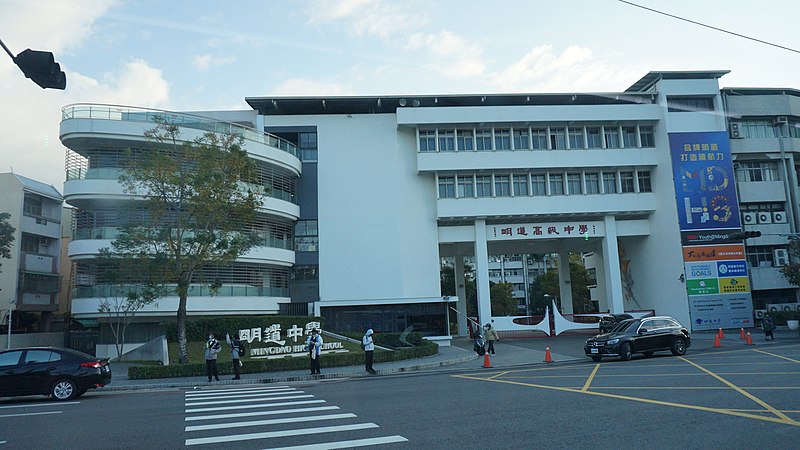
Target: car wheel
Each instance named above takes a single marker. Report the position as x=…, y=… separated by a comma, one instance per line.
x=647, y=354
x=597, y=358
x=625, y=351
x=678, y=347
x=64, y=389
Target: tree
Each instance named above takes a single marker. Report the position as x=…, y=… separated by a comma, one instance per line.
x=791, y=271
x=6, y=237
x=200, y=210
x=548, y=283
x=503, y=301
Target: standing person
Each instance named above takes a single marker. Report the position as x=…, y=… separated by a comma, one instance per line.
x=235, y=344
x=369, y=349
x=313, y=346
x=491, y=336
x=211, y=350
x=769, y=325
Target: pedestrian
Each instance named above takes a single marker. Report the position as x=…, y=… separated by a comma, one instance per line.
x=236, y=353
x=768, y=325
x=491, y=336
x=369, y=350
x=211, y=350
x=313, y=347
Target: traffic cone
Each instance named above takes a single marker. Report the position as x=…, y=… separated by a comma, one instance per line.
x=749, y=340
x=547, y=357
x=721, y=334
x=486, y=363
x=717, y=343
x=741, y=334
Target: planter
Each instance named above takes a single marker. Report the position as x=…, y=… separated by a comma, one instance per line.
x=793, y=324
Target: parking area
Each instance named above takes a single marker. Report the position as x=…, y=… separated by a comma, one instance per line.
x=761, y=384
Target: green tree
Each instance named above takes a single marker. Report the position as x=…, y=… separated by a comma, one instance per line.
x=548, y=283
x=503, y=301
x=6, y=236
x=200, y=211
x=792, y=271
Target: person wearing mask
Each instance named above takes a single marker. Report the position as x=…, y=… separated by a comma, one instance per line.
x=369, y=350
x=211, y=349
x=491, y=336
x=235, y=354
x=313, y=347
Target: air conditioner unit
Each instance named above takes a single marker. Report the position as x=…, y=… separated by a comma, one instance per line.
x=41, y=221
x=780, y=120
x=736, y=132
x=764, y=217
x=781, y=257
x=749, y=218
x=760, y=313
x=779, y=217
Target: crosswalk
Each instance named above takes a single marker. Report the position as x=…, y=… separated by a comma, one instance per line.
x=280, y=417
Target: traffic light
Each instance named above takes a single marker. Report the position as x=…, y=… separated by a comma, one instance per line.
x=42, y=68
x=746, y=235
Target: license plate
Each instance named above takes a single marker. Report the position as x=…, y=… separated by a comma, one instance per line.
x=593, y=350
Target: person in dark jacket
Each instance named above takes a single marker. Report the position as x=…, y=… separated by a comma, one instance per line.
x=237, y=364
x=769, y=326
x=212, y=348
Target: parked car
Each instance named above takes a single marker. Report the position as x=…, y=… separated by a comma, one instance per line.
x=607, y=323
x=645, y=335
x=60, y=373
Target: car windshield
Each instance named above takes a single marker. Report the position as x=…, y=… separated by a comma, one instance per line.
x=623, y=326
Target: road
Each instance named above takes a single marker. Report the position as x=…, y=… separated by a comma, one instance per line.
x=727, y=399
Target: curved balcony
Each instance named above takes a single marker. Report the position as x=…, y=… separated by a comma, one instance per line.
x=220, y=304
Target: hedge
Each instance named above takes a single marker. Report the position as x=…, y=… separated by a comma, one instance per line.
x=198, y=329
x=780, y=317
x=353, y=358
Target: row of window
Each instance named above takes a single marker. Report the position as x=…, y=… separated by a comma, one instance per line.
x=542, y=184
x=766, y=129
x=549, y=137
x=756, y=171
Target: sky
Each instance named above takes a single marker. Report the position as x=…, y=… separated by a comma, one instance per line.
x=203, y=55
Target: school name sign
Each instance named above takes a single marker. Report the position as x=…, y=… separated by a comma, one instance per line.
x=280, y=343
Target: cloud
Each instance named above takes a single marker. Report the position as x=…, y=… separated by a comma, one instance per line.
x=204, y=62
x=366, y=17
x=305, y=86
x=452, y=55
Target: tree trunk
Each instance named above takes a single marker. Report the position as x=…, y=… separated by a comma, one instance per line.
x=183, y=351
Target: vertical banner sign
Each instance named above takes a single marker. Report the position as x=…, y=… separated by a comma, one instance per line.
x=716, y=275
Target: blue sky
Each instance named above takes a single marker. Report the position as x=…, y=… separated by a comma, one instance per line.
x=203, y=55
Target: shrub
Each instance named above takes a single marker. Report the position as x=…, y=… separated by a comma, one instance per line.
x=197, y=329
x=780, y=317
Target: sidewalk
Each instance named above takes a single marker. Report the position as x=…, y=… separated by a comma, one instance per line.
x=510, y=353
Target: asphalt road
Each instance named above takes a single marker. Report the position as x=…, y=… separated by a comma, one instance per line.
x=729, y=399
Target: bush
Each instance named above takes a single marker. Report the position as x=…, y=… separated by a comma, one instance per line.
x=780, y=317
x=198, y=329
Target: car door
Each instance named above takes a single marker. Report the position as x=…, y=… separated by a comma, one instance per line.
x=39, y=367
x=9, y=365
x=647, y=336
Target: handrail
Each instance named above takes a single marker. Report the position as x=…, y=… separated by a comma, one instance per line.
x=149, y=115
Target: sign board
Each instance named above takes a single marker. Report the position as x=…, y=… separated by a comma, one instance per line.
x=280, y=344
x=546, y=230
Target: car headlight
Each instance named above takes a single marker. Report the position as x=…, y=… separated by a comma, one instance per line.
x=612, y=342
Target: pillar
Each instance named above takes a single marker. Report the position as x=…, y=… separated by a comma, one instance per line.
x=482, y=273
x=461, y=292
x=613, y=276
x=564, y=282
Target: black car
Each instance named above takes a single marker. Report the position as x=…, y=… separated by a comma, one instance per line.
x=646, y=335
x=59, y=372
x=607, y=323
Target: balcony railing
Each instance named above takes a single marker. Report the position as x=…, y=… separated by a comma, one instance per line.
x=145, y=115
x=113, y=233
x=116, y=291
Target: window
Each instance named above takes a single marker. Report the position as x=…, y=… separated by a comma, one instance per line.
x=538, y=184
x=427, y=141
x=609, y=182
x=502, y=139
x=756, y=171
x=558, y=140
x=447, y=187
x=592, y=183
x=32, y=206
x=629, y=137
x=502, y=186
x=306, y=237
x=593, y=137
x=539, y=139
x=308, y=146
x=576, y=137
x=41, y=356
x=690, y=104
x=447, y=142
x=626, y=182
x=483, y=138
x=758, y=129
x=520, y=185
x=759, y=255
x=464, y=140
x=556, y=183
x=612, y=137
x=465, y=186
x=521, y=139
x=647, y=136
x=644, y=181
x=574, y=185
x=10, y=358
x=483, y=185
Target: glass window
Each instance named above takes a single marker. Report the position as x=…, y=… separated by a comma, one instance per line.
x=483, y=185
x=576, y=137
x=464, y=138
x=756, y=171
x=593, y=137
x=592, y=183
x=556, y=183
x=502, y=139
x=644, y=181
x=10, y=358
x=521, y=139
x=427, y=141
x=609, y=182
x=612, y=136
x=306, y=236
x=32, y=206
x=538, y=184
x=483, y=138
x=647, y=136
x=626, y=182
x=758, y=129
x=520, y=185
x=465, y=186
x=759, y=255
x=690, y=104
x=558, y=140
x=308, y=146
x=41, y=356
x=447, y=187
x=574, y=185
x=629, y=137
x=447, y=141
x=502, y=186
x=539, y=139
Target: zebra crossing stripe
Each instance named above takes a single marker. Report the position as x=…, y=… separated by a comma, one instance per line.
x=253, y=423
x=275, y=434
x=241, y=395
x=261, y=405
x=261, y=398
x=346, y=444
x=31, y=414
x=261, y=413
x=219, y=391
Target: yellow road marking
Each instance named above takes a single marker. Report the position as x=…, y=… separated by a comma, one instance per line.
x=591, y=377
x=701, y=388
x=752, y=397
x=643, y=375
x=497, y=375
x=777, y=356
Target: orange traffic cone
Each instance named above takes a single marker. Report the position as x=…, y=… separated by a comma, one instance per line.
x=547, y=357
x=717, y=343
x=721, y=334
x=749, y=340
x=741, y=334
x=486, y=363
